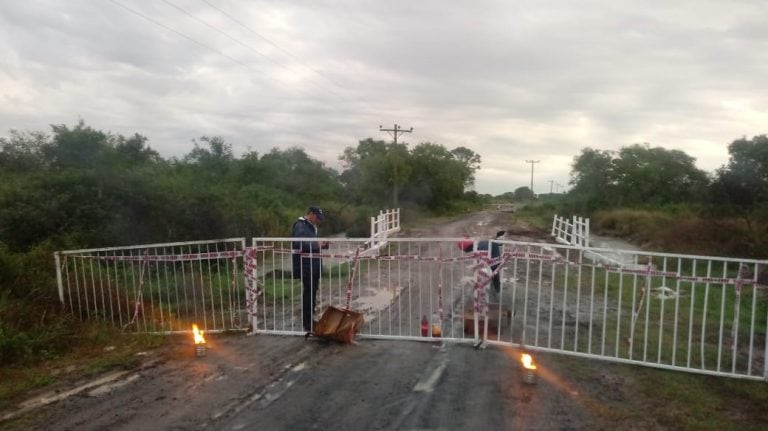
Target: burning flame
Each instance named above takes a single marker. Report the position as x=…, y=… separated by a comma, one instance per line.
x=199, y=339
x=527, y=361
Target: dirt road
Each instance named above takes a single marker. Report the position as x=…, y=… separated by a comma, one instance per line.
x=269, y=382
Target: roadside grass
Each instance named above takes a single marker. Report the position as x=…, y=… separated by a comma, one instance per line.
x=692, y=329
x=538, y=215
x=93, y=348
x=680, y=230
x=635, y=397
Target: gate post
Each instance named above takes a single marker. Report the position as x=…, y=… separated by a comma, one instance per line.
x=554, y=223
x=251, y=290
x=586, y=232
x=58, y=276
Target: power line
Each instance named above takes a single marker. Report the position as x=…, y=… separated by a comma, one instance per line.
x=264, y=38
x=249, y=47
x=234, y=39
x=189, y=14
x=294, y=57
x=189, y=38
x=201, y=44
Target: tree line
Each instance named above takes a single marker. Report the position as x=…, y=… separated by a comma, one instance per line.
x=641, y=176
x=81, y=187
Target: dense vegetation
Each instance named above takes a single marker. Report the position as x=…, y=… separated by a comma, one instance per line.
x=659, y=198
x=79, y=187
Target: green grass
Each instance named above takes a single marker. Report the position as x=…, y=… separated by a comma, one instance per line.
x=93, y=348
x=173, y=296
x=537, y=214
x=657, y=336
x=631, y=397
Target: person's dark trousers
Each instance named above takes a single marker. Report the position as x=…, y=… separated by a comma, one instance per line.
x=309, y=299
x=496, y=280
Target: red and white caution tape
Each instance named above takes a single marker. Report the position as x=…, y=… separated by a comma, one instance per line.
x=355, y=263
x=252, y=290
x=139, y=300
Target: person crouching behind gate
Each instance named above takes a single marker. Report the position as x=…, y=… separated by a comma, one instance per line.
x=306, y=261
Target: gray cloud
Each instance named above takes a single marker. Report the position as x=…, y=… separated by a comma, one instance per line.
x=510, y=80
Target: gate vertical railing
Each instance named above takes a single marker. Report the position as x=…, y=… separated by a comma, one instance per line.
x=574, y=232
x=383, y=225
x=157, y=287
x=689, y=313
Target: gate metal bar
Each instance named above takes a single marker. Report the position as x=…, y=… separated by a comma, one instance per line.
x=157, y=287
x=690, y=313
x=574, y=232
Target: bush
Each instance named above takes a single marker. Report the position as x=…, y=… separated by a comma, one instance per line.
x=677, y=231
x=30, y=332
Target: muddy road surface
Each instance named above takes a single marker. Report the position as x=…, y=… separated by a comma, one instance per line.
x=266, y=382
x=275, y=383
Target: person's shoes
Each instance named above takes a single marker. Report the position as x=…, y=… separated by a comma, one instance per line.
x=314, y=325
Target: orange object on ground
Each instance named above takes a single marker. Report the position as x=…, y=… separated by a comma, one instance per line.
x=337, y=324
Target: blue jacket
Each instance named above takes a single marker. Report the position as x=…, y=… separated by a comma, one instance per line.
x=495, y=250
x=305, y=265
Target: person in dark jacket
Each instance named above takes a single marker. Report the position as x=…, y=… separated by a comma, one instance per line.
x=307, y=263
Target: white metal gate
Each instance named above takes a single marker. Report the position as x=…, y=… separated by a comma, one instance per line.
x=690, y=313
x=157, y=287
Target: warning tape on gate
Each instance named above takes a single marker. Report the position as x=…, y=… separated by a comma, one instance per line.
x=472, y=257
x=164, y=257
x=650, y=272
x=183, y=257
x=252, y=291
x=483, y=276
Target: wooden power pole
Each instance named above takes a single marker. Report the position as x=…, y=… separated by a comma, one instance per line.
x=396, y=130
x=532, y=162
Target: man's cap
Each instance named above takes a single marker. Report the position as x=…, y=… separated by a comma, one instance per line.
x=317, y=211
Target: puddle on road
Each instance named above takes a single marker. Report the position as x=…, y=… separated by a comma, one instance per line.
x=375, y=300
x=616, y=247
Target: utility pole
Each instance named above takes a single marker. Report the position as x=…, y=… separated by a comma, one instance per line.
x=395, y=179
x=551, y=183
x=532, y=162
x=394, y=131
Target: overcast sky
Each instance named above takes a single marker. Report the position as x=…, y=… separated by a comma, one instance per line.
x=512, y=80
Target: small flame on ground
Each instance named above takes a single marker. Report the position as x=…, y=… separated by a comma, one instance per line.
x=199, y=339
x=527, y=361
